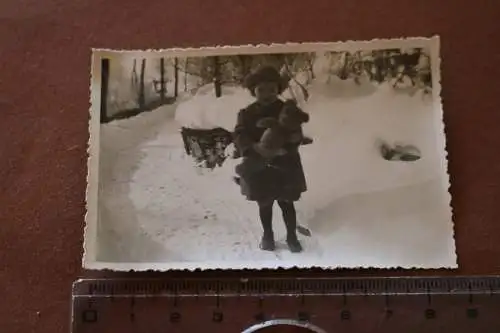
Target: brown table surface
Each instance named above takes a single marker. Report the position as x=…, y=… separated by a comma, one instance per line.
x=45, y=48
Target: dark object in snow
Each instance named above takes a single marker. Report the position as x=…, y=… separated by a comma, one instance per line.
x=278, y=132
x=406, y=153
x=303, y=230
x=207, y=146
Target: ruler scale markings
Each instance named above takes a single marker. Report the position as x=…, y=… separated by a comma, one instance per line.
x=470, y=297
x=132, y=304
x=468, y=300
x=484, y=284
x=344, y=296
x=334, y=287
x=388, y=312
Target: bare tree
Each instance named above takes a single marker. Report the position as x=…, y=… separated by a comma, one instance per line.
x=186, y=74
x=176, y=77
x=310, y=65
x=217, y=77
x=134, y=80
x=104, y=89
x=163, y=90
x=245, y=64
x=142, y=97
x=288, y=62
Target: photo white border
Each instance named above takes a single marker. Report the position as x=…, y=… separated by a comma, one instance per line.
x=91, y=217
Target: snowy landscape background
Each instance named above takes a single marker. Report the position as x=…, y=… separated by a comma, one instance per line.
x=164, y=199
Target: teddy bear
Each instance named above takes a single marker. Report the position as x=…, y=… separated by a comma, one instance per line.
x=278, y=132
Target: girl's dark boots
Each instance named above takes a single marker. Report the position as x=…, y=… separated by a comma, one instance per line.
x=293, y=243
x=290, y=218
x=267, y=242
x=266, y=218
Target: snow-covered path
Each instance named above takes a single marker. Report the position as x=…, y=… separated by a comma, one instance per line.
x=175, y=207
x=155, y=206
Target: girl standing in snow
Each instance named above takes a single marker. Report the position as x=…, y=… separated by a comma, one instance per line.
x=283, y=179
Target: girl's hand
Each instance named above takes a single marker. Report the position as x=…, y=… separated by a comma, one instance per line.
x=256, y=149
x=306, y=141
x=261, y=151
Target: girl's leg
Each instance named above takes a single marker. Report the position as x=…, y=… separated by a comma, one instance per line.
x=266, y=218
x=290, y=218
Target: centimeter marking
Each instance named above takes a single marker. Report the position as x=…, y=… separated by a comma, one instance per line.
x=383, y=304
x=287, y=286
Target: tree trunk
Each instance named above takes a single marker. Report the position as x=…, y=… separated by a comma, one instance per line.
x=176, y=77
x=310, y=62
x=163, y=90
x=245, y=63
x=104, y=89
x=303, y=89
x=142, y=97
x=217, y=78
x=134, y=80
x=185, y=75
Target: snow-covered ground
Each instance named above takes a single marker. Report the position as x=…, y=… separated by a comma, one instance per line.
x=155, y=206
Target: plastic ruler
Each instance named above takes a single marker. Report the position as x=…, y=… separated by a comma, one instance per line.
x=385, y=304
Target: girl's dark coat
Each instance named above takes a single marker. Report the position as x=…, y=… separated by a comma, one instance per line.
x=284, y=179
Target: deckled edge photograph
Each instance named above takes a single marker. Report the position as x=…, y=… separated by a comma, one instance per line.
x=286, y=258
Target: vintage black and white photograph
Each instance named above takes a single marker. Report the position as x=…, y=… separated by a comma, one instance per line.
x=328, y=155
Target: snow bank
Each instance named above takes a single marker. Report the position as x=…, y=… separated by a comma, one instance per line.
x=344, y=158
x=347, y=122
x=204, y=111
